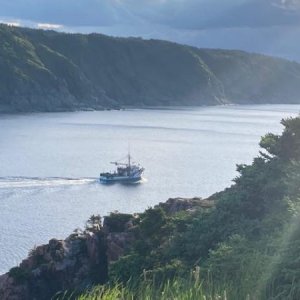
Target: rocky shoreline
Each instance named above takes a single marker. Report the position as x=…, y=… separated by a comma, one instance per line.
x=83, y=258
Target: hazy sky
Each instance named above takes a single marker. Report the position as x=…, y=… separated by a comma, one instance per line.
x=268, y=26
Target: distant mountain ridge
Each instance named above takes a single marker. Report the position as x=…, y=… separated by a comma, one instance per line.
x=51, y=71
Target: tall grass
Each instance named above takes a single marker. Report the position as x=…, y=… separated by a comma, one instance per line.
x=176, y=289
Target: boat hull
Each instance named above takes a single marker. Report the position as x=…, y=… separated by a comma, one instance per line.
x=124, y=179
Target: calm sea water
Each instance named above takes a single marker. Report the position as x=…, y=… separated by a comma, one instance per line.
x=49, y=164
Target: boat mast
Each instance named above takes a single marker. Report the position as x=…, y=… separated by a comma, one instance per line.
x=129, y=157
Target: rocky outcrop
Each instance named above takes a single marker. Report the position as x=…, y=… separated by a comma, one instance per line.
x=174, y=205
x=73, y=263
x=83, y=258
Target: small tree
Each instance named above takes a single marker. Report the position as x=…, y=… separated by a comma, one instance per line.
x=93, y=223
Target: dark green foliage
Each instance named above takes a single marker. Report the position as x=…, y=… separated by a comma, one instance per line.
x=93, y=223
x=247, y=241
x=18, y=274
x=293, y=179
x=50, y=71
x=152, y=221
x=116, y=222
x=284, y=280
x=154, y=232
x=287, y=146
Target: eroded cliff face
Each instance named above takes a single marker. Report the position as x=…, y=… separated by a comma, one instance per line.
x=83, y=258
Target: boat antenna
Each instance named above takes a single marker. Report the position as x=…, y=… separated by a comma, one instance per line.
x=129, y=157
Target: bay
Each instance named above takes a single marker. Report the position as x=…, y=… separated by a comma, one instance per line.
x=50, y=163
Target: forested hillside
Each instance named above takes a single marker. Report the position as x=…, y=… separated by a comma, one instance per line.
x=51, y=71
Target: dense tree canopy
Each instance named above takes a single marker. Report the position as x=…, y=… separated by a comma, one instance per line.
x=242, y=241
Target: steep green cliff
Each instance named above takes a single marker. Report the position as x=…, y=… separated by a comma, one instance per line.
x=50, y=71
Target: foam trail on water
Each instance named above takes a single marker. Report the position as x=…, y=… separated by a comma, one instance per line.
x=29, y=182
x=143, y=180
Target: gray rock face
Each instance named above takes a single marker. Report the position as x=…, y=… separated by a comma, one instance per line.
x=59, y=265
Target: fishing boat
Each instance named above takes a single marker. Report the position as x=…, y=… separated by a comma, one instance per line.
x=127, y=172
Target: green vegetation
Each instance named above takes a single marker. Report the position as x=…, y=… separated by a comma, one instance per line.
x=18, y=274
x=116, y=222
x=50, y=71
x=176, y=289
x=246, y=246
x=250, y=241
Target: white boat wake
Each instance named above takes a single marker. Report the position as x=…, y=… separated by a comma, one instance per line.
x=30, y=182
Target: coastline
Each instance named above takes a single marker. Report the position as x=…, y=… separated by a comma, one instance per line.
x=139, y=107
